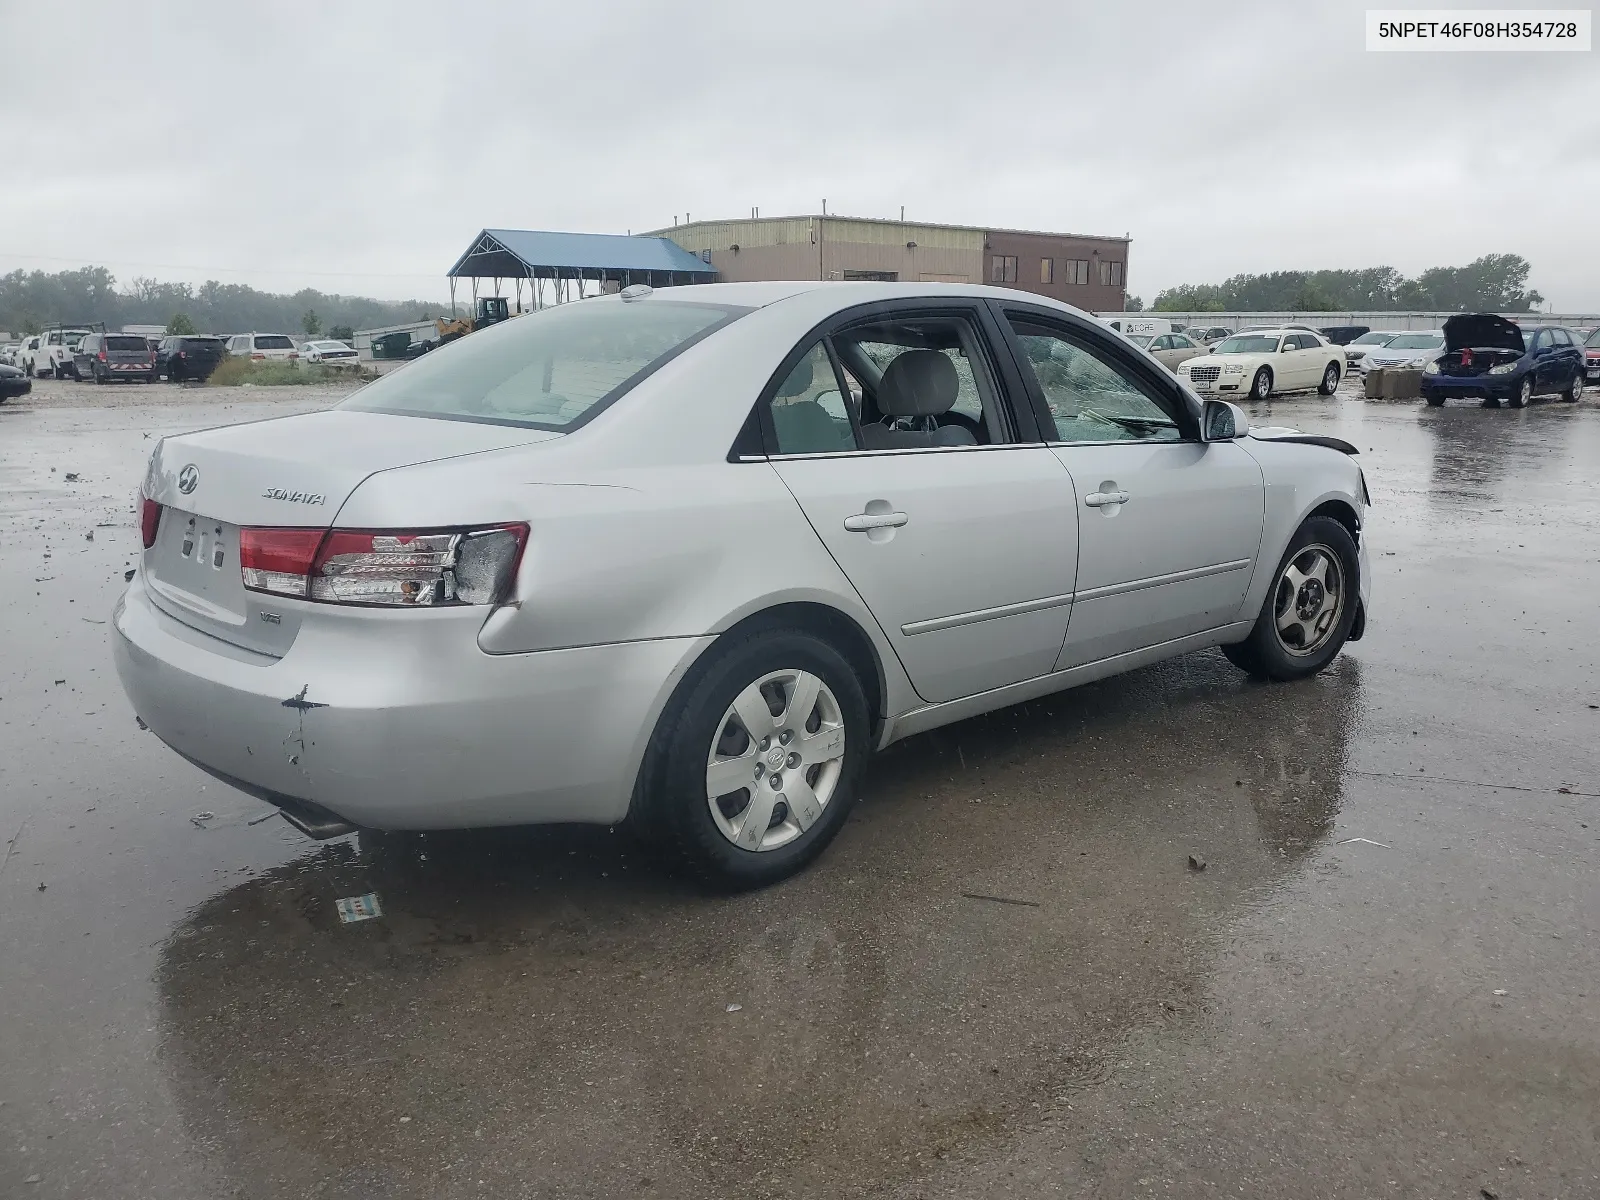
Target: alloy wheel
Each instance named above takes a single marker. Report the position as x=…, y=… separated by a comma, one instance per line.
x=1309, y=600
x=776, y=760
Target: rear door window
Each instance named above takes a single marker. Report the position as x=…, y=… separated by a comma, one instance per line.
x=273, y=341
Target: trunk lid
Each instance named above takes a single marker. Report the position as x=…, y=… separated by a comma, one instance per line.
x=1482, y=331
x=287, y=472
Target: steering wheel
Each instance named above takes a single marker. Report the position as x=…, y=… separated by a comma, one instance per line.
x=970, y=423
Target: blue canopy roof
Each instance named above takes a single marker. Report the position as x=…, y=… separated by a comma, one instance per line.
x=532, y=253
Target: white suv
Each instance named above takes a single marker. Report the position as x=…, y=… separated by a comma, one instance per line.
x=275, y=347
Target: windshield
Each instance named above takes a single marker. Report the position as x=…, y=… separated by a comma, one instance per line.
x=1594, y=339
x=1140, y=339
x=1373, y=339
x=1417, y=341
x=547, y=369
x=1249, y=344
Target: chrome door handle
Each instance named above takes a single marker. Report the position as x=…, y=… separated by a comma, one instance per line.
x=1099, y=499
x=866, y=522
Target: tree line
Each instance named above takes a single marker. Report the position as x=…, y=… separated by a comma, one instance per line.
x=30, y=300
x=1493, y=283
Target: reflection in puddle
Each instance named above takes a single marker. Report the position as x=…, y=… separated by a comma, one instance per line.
x=552, y=1011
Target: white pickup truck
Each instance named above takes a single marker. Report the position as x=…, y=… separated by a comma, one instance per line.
x=54, y=356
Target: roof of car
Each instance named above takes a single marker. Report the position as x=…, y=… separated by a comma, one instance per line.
x=849, y=291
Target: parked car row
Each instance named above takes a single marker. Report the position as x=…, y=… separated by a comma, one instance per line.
x=95, y=355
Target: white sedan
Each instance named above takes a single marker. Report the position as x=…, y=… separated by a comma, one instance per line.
x=686, y=558
x=1415, y=350
x=1263, y=361
x=330, y=353
x=1169, y=349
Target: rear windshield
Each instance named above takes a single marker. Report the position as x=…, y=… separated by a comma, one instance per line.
x=115, y=342
x=273, y=341
x=1594, y=339
x=202, y=343
x=1417, y=341
x=548, y=370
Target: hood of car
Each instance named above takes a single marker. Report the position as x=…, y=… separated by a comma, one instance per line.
x=1482, y=331
x=7, y=372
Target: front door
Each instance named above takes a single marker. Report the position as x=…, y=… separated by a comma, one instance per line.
x=1168, y=526
x=961, y=539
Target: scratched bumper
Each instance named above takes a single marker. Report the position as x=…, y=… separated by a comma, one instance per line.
x=392, y=725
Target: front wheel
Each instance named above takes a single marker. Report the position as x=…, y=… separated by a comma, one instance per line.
x=1433, y=401
x=1307, y=615
x=1523, y=396
x=1330, y=380
x=1261, y=386
x=755, y=764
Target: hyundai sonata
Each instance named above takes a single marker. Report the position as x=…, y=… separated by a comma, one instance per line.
x=685, y=558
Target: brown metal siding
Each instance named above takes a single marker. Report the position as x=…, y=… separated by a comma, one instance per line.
x=1029, y=248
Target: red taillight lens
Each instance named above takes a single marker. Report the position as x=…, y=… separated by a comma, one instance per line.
x=258, y=357
x=393, y=568
x=278, y=560
x=183, y=354
x=149, y=520
x=102, y=356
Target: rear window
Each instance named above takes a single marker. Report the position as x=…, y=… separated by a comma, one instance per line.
x=200, y=343
x=1594, y=339
x=115, y=342
x=550, y=369
x=273, y=341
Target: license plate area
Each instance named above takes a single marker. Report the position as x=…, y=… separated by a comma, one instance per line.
x=198, y=559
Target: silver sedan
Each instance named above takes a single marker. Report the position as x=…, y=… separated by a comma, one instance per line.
x=685, y=558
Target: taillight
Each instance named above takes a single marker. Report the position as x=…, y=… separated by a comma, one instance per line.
x=102, y=356
x=183, y=354
x=294, y=354
x=149, y=520
x=392, y=568
x=258, y=356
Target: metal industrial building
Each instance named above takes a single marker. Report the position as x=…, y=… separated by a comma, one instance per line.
x=1084, y=270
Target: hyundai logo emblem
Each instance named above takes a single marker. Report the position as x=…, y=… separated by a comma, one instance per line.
x=188, y=479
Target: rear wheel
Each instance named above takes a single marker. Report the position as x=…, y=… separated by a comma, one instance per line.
x=1523, y=396
x=1330, y=380
x=1261, y=386
x=1574, y=391
x=1307, y=615
x=755, y=764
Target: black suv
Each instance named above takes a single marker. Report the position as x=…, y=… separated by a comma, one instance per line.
x=106, y=356
x=181, y=358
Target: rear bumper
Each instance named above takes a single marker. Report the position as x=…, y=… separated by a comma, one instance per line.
x=409, y=727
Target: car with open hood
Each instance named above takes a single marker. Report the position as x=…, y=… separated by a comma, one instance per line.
x=1262, y=362
x=685, y=558
x=1487, y=357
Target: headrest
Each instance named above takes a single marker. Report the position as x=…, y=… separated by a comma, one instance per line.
x=920, y=383
x=799, y=380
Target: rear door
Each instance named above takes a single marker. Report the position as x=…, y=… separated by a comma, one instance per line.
x=126, y=352
x=1168, y=526
x=956, y=528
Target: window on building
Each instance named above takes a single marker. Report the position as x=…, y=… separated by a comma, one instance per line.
x=1116, y=274
x=1004, y=269
x=874, y=276
x=1047, y=270
x=1078, y=271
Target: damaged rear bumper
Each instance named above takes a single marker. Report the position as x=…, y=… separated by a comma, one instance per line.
x=413, y=727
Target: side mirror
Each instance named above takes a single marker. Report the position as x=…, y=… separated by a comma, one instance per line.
x=1222, y=422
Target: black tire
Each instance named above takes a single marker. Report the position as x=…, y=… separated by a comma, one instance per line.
x=1433, y=401
x=1574, y=391
x=94, y=373
x=1330, y=380
x=1523, y=396
x=1263, y=653
x=670, y=806
x=1261, y=385
x=56, y=371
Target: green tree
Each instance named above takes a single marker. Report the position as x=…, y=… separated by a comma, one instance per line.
x=342, y=333
x=1133, y=304
x=180, y=325
x=311, y=323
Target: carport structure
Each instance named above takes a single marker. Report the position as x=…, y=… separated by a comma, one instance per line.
x=571, y=262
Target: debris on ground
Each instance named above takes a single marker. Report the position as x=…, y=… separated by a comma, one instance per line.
x=267, y=816
x=71, y=477
x=999, y=899
x=200, y=818
x=127, y=576
x=359, y=908
x=734, y=1008
x=1500, y=992
x=139, y=721
x=89, y=537
x=1196, y=863
x=41, y=887
x=1365, y=842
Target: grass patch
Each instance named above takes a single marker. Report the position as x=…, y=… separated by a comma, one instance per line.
x=239, y=372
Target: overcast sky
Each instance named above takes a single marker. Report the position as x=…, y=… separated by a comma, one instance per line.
x=358, y=147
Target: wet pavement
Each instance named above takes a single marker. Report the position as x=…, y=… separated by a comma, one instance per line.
x=1386, y=982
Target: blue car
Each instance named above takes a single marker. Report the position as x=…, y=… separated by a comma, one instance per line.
x=1489, y=358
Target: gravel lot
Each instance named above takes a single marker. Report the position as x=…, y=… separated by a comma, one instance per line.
x=1383, y=983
